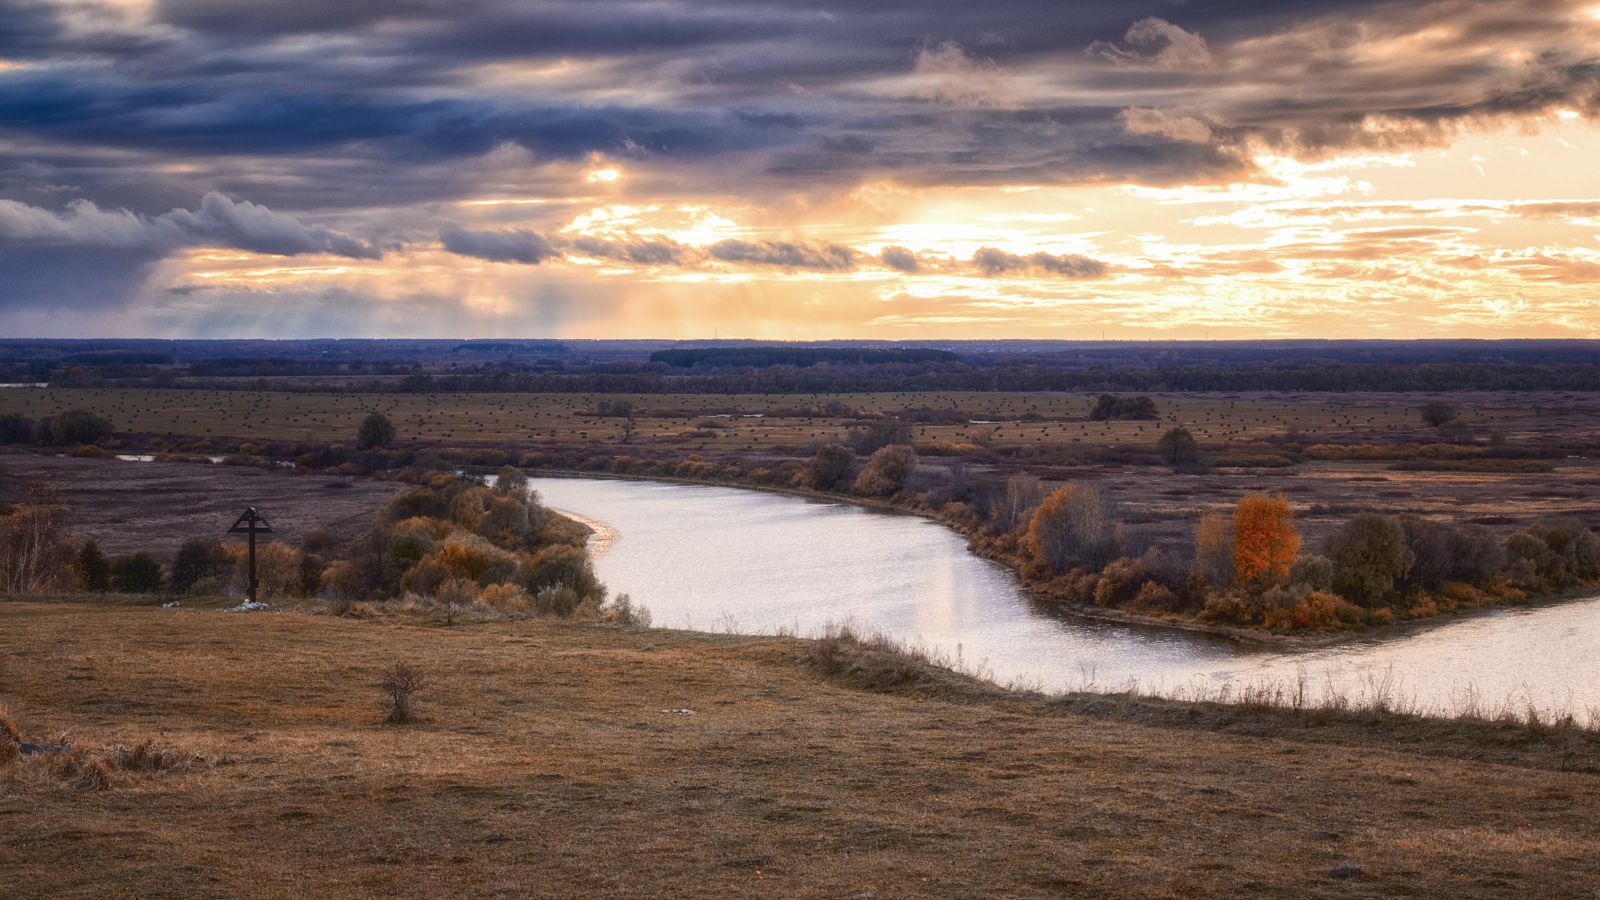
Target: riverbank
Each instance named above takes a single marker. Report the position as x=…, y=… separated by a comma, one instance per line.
x=559, y=758
x=98, y=493
x=1253, y=637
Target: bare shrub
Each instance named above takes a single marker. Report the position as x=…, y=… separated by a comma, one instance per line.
x=401, y=682
x=1314, y=572
x=34, y=553
x=1074, y=526
x=1179, y=449
x=878, y=435
x=1023, y=494
x=1436, y=413
x=830, y=467
x=624, y=611
x=886, y=472
x=349, y=580
x=1120, y=582
x=559, y=600
x=277, y=568
x=1156, y=596
x=1165, y=567
x=509, y=598
x=1370, y=558
x=455, y=595
x=511, y=481
x=1213, y=549
x=320, y=540
x=1442, y=553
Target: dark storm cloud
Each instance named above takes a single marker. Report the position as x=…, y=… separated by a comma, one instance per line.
x=992, y=262
x=372, y=114
x=822, y=257
x=532, y=248
x=641, y=251
x=218, y=222
x=824, y=92
x=26, y=27
x=515, y=245
x=192, y=119
x=282, y=17
x=900, y=259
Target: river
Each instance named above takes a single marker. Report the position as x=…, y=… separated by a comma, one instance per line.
x=725, y=559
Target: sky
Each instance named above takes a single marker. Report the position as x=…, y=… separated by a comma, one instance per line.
x=799, y=170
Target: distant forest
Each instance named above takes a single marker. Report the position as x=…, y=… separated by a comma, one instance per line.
x=823, y=367
x=800, y=357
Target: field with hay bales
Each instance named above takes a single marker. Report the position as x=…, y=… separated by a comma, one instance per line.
x=766, y=422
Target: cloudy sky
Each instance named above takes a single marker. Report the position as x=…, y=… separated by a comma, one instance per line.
x=800, y=168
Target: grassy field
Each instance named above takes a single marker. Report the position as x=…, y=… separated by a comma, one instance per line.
x=563, y=759
x=762, y=422
x=154, y=506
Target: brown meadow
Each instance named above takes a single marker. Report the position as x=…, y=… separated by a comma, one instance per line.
x=563, y=759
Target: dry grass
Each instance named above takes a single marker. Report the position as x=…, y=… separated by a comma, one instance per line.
x=579, y=760
x=876, y=662
x=154, y=506
x=147, y=759
x=9, y=739
x=81, y=768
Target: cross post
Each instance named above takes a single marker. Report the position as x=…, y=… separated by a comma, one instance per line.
x=251, y=523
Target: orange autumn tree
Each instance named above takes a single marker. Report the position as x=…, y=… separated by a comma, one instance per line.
x=1265, y=542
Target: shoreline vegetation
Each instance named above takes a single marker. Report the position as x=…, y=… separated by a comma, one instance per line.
x=1019, y=566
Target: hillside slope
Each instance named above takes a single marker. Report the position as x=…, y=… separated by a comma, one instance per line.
x=569, y=759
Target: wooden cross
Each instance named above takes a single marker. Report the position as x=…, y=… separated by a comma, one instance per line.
x=251, y=523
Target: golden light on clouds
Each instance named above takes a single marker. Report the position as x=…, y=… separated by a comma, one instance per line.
x=651, y=169
x=1398, y=244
